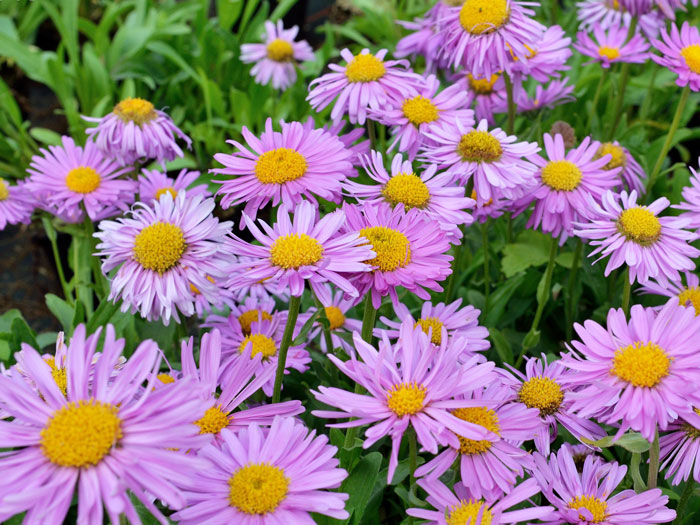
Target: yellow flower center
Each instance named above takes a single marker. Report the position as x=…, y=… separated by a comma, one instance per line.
x=431, y=322
x=420, y=110
x=295, y=250
x=335, y=316
x=365, y=68
x=162, y=191
x=479, y=146
x=641, y=364
x=257, y=488
x=691, y=55
x=482, y=416
x=542, y=393
x=136, y=110
x=58, y=374
x=280, y=50
x=391, y=246
x=617, y=154
x=213, y=421
x=280, y=165
x=261, y=344
x=407, y=189
x=81, y=434
x=611, y=53
x=596, y=507
x=159, y=246
x=467, y=513
x=482, y=86
x=4, y=190
x=640, y=225
x=165, y=378
x=82, y=179
x=252, y=316
x=406, y=399
x=483, y=16
x=561, y=175
x=692, y=296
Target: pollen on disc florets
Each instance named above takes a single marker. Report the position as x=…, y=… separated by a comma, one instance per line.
x=335, y=317
x=280, y=165
x=365, y=68
x=690, y=295
x=213, y=421
x=482, y=416
x=261, y=344
x=246, y=319
x=428, y=323
x=406, y=399
x=598, y=508
x=135, y=110
x=81, y=433
x=280, y=50
x=542, y=393
x=83, y=179
x=159, y=247
x=4, y=190
x=640, y=225
x=611, y=53
x=561, y=175
x=618, y=158
x=295, y=250
x=407, y=189
x=469, y=511
x=641, y=364
x=482, y=86
x=392, y=247
x=479, y=146
x=691, y=55
x=257, y=488
x=420, y=110
x=483, y=16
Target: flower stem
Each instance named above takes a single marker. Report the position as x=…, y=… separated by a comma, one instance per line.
x=626, y=292
x=294, y=304
x=685, y=498
x=510, y=127
x=578, y=252
x=623, y=82
x=653, y=461
x=487, y=275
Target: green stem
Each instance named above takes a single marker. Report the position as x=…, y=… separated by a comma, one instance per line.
x=623, y=83
x=510, y=127
x=326, y=326
x=487, y=274
x=626, y=292
x=685, y=498
x=669, y=138
x=653, y=462
x=578, y=252
x=294, y=304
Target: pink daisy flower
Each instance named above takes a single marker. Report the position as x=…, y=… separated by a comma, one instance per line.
x=642, y=374
x=285, y=167
x=336, y=311
x=680, y=52
x=153, y=184
x=16, y=204
x=556, y=93
x=494, y=159
x=414, y=116
x=366, y=82
x=680, y=449
x=563, y=182
x=105, y=436
x=305, y=249
x=434, y=195
x=70, y=179
x=611, y=46
x=136, y=131
x=691, y=201
x=546, y=57
x=587, y=497
x=632, y=175
x=409, y=250
x=164, y=252
x=488, y=94
x=651, y=246
x=459, y=505
x=609, y=13
x=276, y=59
x=261, y=478
x=688, y=294
x=407, y=385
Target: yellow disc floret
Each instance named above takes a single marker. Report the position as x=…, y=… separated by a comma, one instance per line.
x=428, y=323
x=691, y=55
x=420, y=110
x=261, y=345
x=252, y=316
x=365, y=68
x=295, y=250
x=482, y=416
x=542, y=393
x=561, y=175
x=611, y=53
x=482, y=86
x=257, y=488
x=58, y=374
x=618, y=158
x=135, y=110
x=468, y=512
x=690, y=295
x=280, y=165
x=80, y=434
x=407, y=189
x=162, y=191
x=483, y=16
x=335, y=317
x=213, y=421
x=83, y=179
x=641, y=364
x=406, y=399
x=392, y=247
x=159, y=246
x=4, y=190
x=639, y=225
x=280, y=50
x=595, y=506
x=479, y=146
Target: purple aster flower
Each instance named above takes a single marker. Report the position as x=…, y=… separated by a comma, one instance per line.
x=680, y=449
x=336, y=312
x=261, y=478
x=153, y=184
x=650, y=246
x=688, y=294
x=546, y=57
x=488, y=94
x=545, y=386
x=632, y=175
x=276, y=59
x=460, y=506
x=407, y=384
x=680, y=52
x=435, y=195
x=410, y=250
x=642, y=374
x=285, y=167
x=413, y=117
x=564, y=181
x=494, y=159
x=69, y=179
x=691, y=200
x=366, y=82
x=587, y=497
x=305, y=249
x=611, y=46
x=107, y=434
x=609, y=13
x=16, y=204
x=555, y=93
x=136, y=131
x=163, y=251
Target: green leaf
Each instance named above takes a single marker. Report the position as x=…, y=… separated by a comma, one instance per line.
x=360, y=484
x=61, y=310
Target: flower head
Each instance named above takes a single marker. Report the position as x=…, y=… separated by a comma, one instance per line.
x=612, y=46
x=16, y=204
x=680, y=52
x=153, y=184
